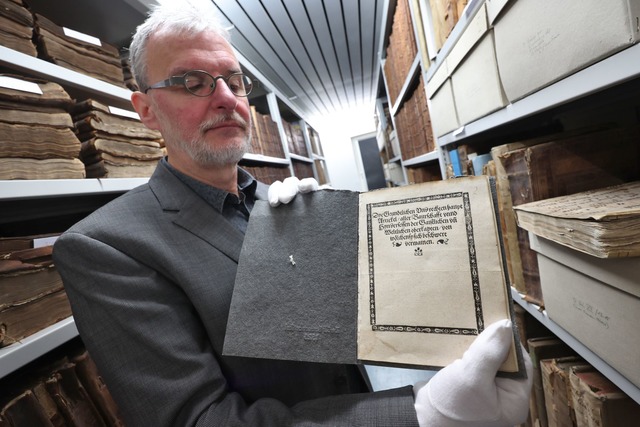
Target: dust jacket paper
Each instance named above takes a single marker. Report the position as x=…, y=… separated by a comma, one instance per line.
x=406, y=276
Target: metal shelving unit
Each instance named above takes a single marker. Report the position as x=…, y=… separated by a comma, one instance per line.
x=121, y=18
x=28, y=349
x=609, y=72
x=19, y=354
x=586, y=353
x=28, y=189
x=106, y=92
x=615, y=70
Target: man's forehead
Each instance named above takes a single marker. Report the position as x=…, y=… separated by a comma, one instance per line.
x=175, y=50
x=176, y=34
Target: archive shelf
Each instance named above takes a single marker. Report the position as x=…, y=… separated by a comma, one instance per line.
x=586, y=353
x=82, y=86
x=85, y=85
x=265, y=159
x=614, y=70
x=301, y=158
x=433, y=156
x=14, y=192
x=24, y=189
x=410, y=83
x=412, y=75
x=610, y=83
x=26, y=202
x=19, y=354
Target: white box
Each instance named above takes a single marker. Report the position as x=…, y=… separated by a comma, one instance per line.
x=442, y=108
x=596, y=300
x=539, y=42
x=476, y=84
x=494, y=8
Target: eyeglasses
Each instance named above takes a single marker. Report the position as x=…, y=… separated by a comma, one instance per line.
x=201, y=83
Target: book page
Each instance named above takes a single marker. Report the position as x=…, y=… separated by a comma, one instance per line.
x=430, y=272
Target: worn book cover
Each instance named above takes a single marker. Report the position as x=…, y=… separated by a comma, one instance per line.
x=406, y=276
x=579, y=161
x=557, y=389
x=598, y=402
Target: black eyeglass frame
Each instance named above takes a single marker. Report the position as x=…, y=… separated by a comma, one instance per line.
x=174, y=81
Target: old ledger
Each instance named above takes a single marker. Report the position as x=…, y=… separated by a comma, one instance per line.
x=406, y=276
x=604, y=222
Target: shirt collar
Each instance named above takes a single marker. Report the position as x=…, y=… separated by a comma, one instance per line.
x=214, y=196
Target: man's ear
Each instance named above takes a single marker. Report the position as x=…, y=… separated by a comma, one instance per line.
x=142, y=104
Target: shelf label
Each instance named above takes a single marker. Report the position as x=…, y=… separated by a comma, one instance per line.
x=17, y=84
x=81, y=36
x=458, y=132
x=124, y=113
x=44, y=241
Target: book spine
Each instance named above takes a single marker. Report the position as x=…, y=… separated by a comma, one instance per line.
x=72, y=398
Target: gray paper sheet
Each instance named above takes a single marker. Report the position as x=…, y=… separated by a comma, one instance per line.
x=295, y=296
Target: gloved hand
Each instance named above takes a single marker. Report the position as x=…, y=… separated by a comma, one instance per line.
x=467, y=392
x=285, y=191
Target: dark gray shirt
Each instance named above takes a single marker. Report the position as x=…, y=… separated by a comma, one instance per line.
x=235, y=209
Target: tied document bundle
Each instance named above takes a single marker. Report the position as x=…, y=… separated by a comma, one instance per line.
x=404, y=276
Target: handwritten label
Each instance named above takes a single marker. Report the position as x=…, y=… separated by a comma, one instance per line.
x=539, y=42
x=591, y=311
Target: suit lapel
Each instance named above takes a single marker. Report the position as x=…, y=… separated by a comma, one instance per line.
x=191, y=212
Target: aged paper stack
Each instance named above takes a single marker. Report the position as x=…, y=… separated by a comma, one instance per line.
x=31, y=293
x=603, y=222
x=79, y=52
x=552, y=166
x=37, y=140
x=16, y=27
x=115, y=143
x=588, y=249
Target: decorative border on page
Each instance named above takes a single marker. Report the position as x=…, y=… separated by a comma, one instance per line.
x=473, y=270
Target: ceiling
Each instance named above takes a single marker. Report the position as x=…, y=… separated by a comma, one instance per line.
x=323, y=56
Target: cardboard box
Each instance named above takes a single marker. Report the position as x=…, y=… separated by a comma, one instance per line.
x=539, y=42
x=494, y=8
x=476, y=84
x=595, y=300
x=442, y=108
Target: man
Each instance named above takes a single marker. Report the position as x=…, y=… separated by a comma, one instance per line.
x=150, y=276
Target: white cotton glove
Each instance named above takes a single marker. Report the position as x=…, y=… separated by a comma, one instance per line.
x=285, y=191
x=468, y=393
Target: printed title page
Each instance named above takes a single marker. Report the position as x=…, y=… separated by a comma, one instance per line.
x=431, y=272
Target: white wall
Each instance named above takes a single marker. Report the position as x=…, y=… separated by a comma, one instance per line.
x=335, y=132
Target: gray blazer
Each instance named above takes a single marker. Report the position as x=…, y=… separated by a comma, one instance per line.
x=150, y=277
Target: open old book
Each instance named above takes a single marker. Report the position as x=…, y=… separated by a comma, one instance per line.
x=405, y=276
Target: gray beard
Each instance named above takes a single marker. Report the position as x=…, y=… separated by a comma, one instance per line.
x=205, y=155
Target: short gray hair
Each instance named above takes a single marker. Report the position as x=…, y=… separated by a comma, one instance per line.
x=184, y=17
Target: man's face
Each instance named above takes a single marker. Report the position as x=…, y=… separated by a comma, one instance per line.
x=211, y=130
